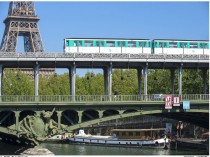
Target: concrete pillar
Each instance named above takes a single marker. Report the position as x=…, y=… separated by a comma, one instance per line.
x=180, y=80
x=100, y=113
x=172, y=81
x=1, y=74
x=204, y=80
x=72, y=74
x=139, y=74
x=36, y=81
x=80, y=116
x=105, y=81
x=110, y=81
x=145, y=71
x=17, y=115
x=59, y=114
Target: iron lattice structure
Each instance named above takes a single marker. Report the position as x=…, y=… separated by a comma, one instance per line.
x=21, y=21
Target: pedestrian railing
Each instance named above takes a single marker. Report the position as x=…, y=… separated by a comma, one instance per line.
x=99, y=98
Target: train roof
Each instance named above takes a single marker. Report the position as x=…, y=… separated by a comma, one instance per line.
x=108, y=38
x=179, y=40
x=134, y=39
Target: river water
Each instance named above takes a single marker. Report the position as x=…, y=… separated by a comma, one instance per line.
x=69, y=149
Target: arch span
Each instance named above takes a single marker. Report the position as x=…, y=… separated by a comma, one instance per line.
x=131, y=114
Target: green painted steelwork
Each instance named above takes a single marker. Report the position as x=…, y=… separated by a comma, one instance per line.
x=97, y=98
x=132, y=114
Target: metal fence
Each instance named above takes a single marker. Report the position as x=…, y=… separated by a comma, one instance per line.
x=99, y=98
x=102, y=55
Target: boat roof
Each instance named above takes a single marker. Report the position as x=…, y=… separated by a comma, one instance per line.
x=123, y=130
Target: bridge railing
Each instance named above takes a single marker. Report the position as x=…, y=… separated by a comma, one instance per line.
x=102, y=55
x=98, y=98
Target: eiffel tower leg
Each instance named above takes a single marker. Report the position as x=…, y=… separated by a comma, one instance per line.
x=27, y=44
x=9, y=41
x=36, y=42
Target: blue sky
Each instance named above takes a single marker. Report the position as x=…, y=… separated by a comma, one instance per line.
x=143, y=20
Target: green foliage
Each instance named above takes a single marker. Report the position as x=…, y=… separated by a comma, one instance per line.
x=124, y=82
x=17, y=83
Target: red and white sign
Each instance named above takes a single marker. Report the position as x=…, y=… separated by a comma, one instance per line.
x=176, y=101
x=168, y=102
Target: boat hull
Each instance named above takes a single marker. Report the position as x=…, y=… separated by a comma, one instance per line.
x=121, y=143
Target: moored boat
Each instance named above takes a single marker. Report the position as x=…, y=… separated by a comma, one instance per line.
x=153, y=138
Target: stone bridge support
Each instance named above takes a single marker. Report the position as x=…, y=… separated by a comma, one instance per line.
x=80, y=116
x=36, y=81
x=145, y=71
x=100, y=113
x=17, y=115
x=72, y=78
x=108, y=81
x=59, y=114
x=180, y=80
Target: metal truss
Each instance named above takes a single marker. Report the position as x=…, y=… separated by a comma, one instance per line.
x=21, y=21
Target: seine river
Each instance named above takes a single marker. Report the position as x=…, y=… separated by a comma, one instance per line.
x=67, y=149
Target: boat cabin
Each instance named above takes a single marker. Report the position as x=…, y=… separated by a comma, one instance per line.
x=142, y=134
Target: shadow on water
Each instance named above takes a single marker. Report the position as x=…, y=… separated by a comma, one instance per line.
x=67, y=149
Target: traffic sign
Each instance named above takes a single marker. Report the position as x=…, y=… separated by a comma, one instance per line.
x=186, y=105
x=176, y=101
x=168, y=102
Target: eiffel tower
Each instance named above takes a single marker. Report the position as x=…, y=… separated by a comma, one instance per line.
x=22, y=21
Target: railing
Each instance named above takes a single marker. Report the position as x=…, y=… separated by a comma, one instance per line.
x=102, y=55
x=98, y=98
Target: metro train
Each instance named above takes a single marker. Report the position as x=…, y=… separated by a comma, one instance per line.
x=135, y=46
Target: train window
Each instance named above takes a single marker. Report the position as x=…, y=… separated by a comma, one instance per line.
x=131, y=44
x=121, y=43
x=161, y=45
x=157, y=44
x=183, y=45
x=88, y=43
x=206, y=45
x=142, y=44
x=147, y=44
x=67, y=43
x=110, y=43
x=193, y=45
x=173, y=44
x=201, y=45
x=78, y=43
x=99, y=43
